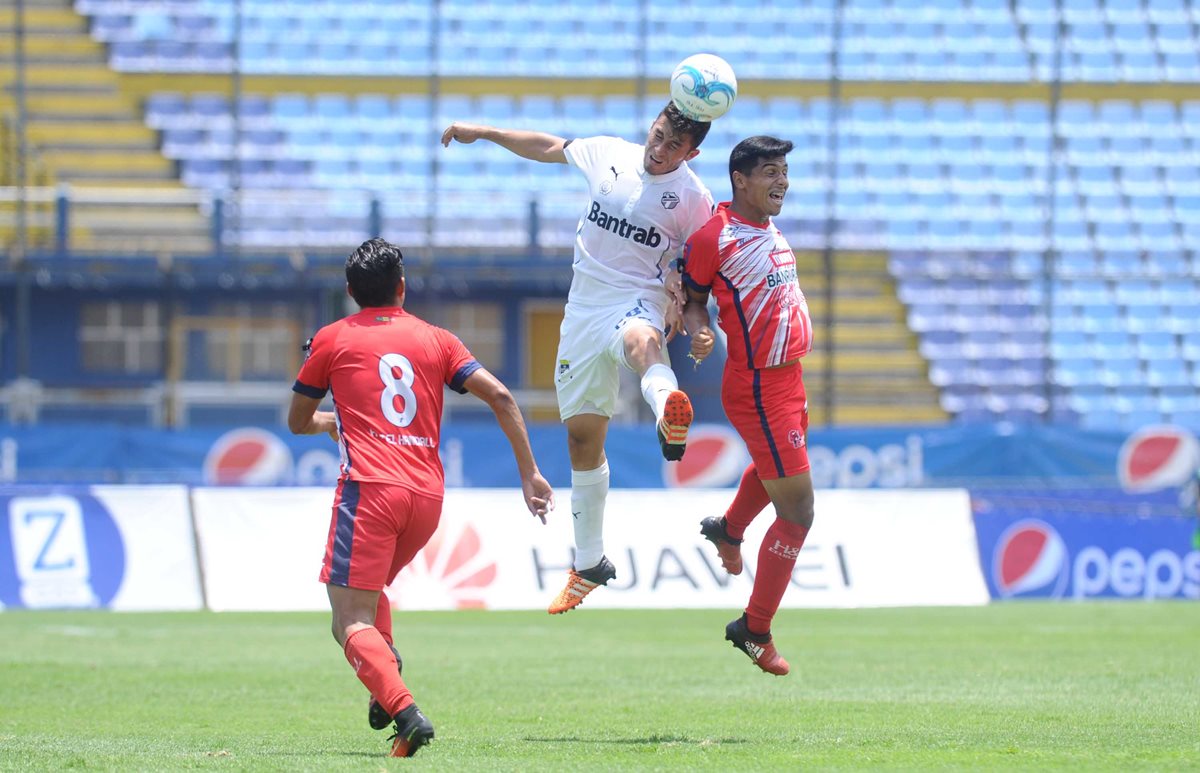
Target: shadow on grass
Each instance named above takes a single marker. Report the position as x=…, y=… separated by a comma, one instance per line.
x=651, y=740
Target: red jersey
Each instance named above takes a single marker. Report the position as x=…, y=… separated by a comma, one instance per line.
x=386, y=369
x=751, y=271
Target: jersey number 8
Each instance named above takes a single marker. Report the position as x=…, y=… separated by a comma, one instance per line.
x=397, y=387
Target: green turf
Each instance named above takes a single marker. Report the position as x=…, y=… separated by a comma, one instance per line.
x=1015, y=686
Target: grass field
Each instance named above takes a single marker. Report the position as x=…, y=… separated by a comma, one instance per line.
x=1013, y=686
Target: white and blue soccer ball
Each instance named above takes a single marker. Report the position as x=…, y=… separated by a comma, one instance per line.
x=703, y=87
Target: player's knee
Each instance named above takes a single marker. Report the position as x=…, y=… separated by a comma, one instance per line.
x=642, y=347
x=585, y=453
x=798, y=510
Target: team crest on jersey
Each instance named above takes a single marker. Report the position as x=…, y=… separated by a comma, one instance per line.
x=669, y=200
x=563, y=366
x=606, y=187
x=796, y=438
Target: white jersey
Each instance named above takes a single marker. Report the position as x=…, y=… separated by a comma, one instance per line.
x=634, y=222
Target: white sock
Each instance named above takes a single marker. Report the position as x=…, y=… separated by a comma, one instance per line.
x=589, y=489
x=657, y=384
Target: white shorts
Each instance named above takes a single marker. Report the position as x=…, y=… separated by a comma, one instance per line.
x=591, y=348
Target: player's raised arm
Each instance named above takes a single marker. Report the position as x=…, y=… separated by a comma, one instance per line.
x=536, y=146
x=539, y=497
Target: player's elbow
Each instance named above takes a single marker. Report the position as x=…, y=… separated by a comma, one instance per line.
x=298, y=422
x=501, y=401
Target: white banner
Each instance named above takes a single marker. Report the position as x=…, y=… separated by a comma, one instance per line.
x=262, y=549
x=114, y=547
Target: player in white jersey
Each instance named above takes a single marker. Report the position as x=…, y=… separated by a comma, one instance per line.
x=743, y=259
x=645, y=202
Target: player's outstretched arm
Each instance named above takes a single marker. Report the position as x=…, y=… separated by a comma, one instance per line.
x=304, y=418
x=539, y=497
x=696, y=320
x=536, y=146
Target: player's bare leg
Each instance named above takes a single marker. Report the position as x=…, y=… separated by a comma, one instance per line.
x=793, y=500
x=370, y=655
x=645, y=353
x=586, y=433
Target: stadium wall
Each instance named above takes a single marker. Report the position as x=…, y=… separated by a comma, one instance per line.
x=255, y=549
x=475, y=454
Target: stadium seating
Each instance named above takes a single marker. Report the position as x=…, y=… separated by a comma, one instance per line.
x=955, y=40
x=1048, y=260
x=898, y=187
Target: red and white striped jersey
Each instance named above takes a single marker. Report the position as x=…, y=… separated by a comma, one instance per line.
x=751, y=271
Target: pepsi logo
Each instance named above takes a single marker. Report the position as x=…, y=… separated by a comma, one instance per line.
x=1157, y=457
x=248, y=457
x=1030, y=560
x=451, y=572
x=715, y=457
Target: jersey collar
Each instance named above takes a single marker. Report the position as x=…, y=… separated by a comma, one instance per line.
x=727, y=208
x=663, y=178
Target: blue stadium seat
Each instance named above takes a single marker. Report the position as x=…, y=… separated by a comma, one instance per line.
x=1098, y=318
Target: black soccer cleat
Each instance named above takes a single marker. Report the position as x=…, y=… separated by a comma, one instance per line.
x=377, y=715
x=729, y=550
x=413, y=731
x=758, y=647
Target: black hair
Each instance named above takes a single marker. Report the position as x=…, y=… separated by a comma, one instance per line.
x=373, y=271
x=682, y=125
x=748, y=153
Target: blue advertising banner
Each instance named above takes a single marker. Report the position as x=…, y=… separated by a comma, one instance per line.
x=476, y=454
x=1028, y=551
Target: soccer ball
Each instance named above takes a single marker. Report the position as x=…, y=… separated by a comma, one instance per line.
x=703, y=87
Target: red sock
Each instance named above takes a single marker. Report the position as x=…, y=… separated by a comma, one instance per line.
x=748, y=502
x=383, y=617
x=375, y=666
x=776, y=559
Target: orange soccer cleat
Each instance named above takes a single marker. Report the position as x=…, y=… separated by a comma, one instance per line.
x=580, y=584
x=673, y=427
x=729, y=550
x=413, y=731
x=758, y=647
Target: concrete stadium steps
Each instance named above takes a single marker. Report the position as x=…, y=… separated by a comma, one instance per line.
x=166, y=184
x=50, y=135
x=103, y=107
x=42, y=16
x=85, y=129
x=107, y=161
x=878, y=376
x=41, y=47
x=72, y=77
x=878, y=414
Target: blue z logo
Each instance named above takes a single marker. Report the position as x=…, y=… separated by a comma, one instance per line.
x=40, y=562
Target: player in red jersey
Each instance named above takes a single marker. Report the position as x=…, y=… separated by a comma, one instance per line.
x=386, y=370
x=743, y=259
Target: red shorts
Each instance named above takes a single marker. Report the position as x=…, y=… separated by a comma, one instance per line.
x=769, y=410
x=375, y=531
